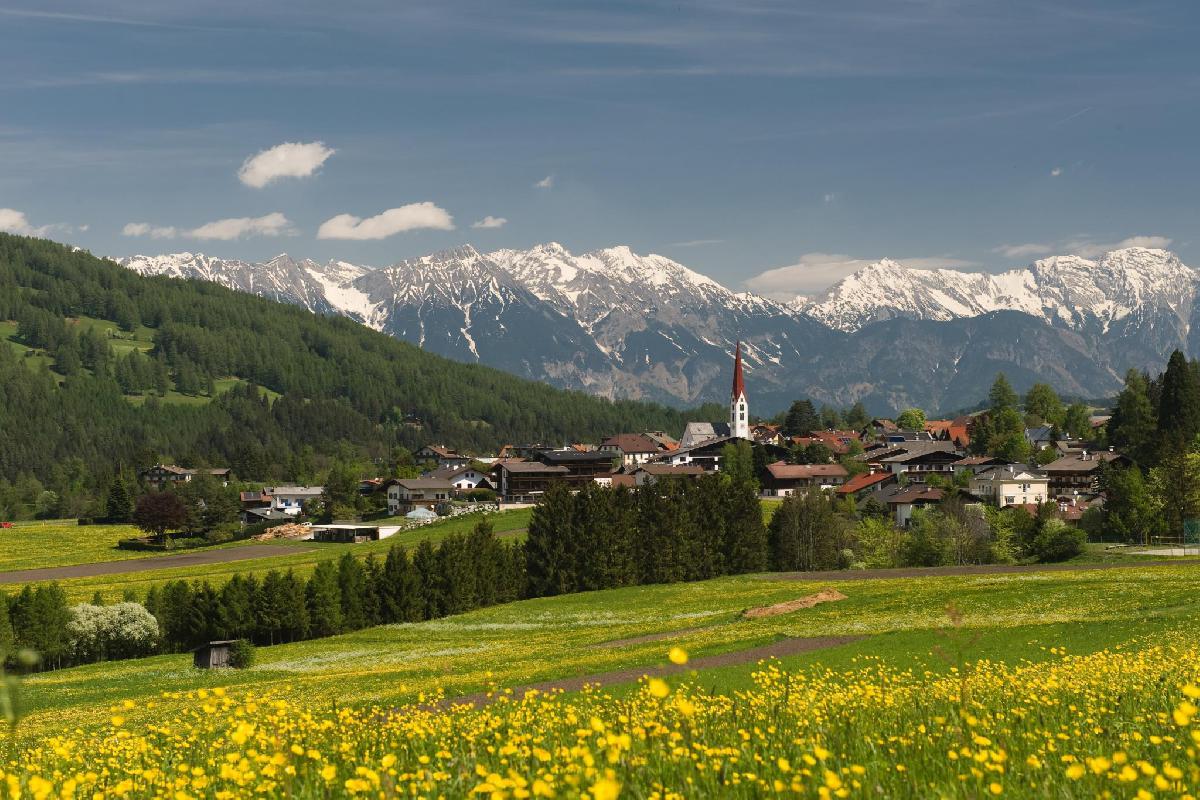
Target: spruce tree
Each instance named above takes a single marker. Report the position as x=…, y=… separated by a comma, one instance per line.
x=352, y=590
x=400, y=588
x=549, y=562
x=425, y=562
x=324, y=600
x=119, y=507
x=1179, y=405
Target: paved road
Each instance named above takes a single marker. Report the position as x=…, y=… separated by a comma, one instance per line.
x=192, y=559
x=779, y=649
x=979, y=569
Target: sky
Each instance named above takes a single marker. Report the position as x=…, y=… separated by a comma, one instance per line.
x=774, y=146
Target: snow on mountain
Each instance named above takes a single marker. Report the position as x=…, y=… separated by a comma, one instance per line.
x=1065, y=290
x=620, y=324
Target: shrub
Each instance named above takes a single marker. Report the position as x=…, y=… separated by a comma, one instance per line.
x=1058, y=541
x=241, y=654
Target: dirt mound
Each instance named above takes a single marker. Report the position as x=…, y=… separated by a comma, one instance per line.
x=826, y=596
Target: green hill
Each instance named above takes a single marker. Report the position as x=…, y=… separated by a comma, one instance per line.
x=102, y=369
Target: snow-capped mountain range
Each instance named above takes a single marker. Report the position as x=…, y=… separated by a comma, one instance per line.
x=625, y=325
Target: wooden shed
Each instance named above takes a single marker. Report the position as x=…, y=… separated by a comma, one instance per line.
x=213, y=654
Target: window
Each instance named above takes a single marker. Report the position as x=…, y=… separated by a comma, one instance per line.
x=1009, y=499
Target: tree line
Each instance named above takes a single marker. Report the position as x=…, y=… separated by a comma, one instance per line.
x=69, y=429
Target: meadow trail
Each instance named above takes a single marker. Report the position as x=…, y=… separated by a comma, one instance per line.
x=934, y=572
x=778, y=649
x=145, y=564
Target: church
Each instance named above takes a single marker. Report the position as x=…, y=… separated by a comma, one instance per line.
x=738, y=427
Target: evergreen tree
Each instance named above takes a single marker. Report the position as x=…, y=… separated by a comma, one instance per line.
x=1179, y=405
x=857, y=417
x=296, y=621
x=425, y=562
x=1132, y=428
x=744, y=546
x=801, y=419
x=1002, y=395
x=352, y=589
x=119, y=506
x=400, y=589
x=7, y=637
x=549, y=561
x=324, y=600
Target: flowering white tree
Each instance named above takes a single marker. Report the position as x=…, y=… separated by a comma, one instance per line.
x=123, y=630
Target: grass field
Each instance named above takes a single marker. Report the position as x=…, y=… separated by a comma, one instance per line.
x=1099, y=657
x=63, y=543
x=57, y=543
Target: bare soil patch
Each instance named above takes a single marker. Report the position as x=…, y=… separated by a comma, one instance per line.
x=825, y=596
x=779, y=649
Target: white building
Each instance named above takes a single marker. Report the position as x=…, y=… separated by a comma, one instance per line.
x=1011, y=486
x=291, y=499
x=739, y=407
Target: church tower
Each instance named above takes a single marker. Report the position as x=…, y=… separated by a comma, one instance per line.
x=739, y=408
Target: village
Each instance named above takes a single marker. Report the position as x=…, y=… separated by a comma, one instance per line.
x=885, y=468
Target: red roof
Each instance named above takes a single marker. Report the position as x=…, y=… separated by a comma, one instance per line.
x=739, y=383
x=862, y=481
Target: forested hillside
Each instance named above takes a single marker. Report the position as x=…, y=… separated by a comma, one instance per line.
x=104, y=370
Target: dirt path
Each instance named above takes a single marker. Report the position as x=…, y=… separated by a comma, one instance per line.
x=191, y=559
x=933, y=572
x=784, y=647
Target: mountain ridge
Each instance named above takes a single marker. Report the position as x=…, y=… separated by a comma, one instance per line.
x=619, y=324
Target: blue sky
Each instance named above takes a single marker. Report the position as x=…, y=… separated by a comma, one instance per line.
x=738, y=138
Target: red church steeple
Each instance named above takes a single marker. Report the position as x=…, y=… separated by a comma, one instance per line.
x=739, y=383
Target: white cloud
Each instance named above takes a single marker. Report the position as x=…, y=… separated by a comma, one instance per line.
x=1027, y=250
x=153, y=231
x=1080, y=246
x=13, y=221
x=545, y=183
x=287, y=160
x=697, y=243
x=273, y=224
x=1054, y=173
x=829, y=197
x=490, y=222
x=413, y=216
x=815, y=272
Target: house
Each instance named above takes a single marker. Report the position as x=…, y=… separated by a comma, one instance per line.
x=1040, y=437
x=1010, y=485
x=766, y=434
x=861, y=485
x=838, y=442
x=291, y=499
x=878, y=427
x=350, y=533
x=253, y=516
x=977, y=464
x=443, y=456
x=664, y=441
x=697, y=433
x=708, y=454
x=526, y=481
x=631, y=448
x=405, y=494
x=903, y=504
x=918, y=460
x=783, y=480
x=213, y=655
x=1079, y=473
x=650, y=473
x=160, y=476
x=581, y=467
x=463, y=479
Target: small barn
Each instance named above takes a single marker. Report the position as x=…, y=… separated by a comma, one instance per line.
x=213, y=655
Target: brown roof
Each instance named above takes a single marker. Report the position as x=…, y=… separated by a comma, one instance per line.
x=619, y=479
x=667, y=469
x=800, y=471
x=863, y=480
x=632, y=443
x=978, y=461
x=917, y=495
x=532, y=466
x=739, y=382
x=1081, y=463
